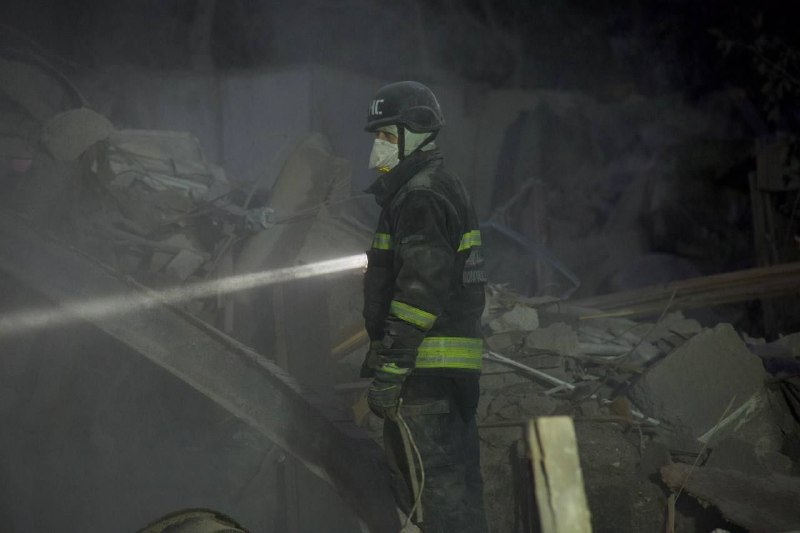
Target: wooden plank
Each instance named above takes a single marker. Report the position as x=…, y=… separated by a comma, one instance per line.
x=557, y=475
x=696, y=293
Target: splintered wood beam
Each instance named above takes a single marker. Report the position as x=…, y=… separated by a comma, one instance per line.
x=696, y=293
x=557, y=476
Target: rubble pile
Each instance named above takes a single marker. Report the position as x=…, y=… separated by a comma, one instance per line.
x=649, y=399
x=676, y=422
x=145, y=202
x=154, y=208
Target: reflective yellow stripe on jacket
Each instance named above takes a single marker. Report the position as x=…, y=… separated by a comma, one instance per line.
x=382, y=241
x=470, y=239
x=412, y=315
x=450, y=352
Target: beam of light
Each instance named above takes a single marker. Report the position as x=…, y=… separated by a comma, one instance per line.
x=96, y=308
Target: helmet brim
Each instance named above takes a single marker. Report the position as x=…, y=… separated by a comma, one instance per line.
x=374, y=125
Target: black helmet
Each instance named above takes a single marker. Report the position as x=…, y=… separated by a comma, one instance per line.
x=405, y=103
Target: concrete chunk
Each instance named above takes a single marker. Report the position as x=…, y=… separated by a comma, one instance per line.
x=503, y=341
x=792, y=342
x=184, y=264
x=755, y=503
x=558, y=338
x=68, y=134
x=520, y=318
x=693, y=385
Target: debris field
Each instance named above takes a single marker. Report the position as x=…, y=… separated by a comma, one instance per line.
x=676, y=423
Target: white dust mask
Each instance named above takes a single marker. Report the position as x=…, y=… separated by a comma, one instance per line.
x=383, y=156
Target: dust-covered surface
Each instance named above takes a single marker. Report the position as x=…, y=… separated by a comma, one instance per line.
x=83, y=411
x=758, y=503
x=622, y=448
x=585, y=131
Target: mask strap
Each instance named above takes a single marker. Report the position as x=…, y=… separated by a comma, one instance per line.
x=401, y=142
x=427, y=141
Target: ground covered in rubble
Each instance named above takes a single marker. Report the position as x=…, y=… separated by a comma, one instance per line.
x=651, y=400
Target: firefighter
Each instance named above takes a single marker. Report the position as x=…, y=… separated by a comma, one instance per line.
x=423, y=298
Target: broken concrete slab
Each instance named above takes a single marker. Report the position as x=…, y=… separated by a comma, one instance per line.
x=645, y=352
x=184, y=264
x=694, y=385
x=639, y=354
x=557, y=338
x=759, y=504
x=611, y=326
x=70, y=133
x=654, y=456
x=519, y=318
x=677, y=323
x=736, y=454
x=761, y=421
x=504, y=341
x=593, y=333
x=646, y=341
x=790, y=341
x=670, y=324
x=776, y=462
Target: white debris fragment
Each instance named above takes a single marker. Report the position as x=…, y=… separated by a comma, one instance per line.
x=184, y=264
x=504, y=341
x=792, y=342
x=557, y=338
x=519, y=318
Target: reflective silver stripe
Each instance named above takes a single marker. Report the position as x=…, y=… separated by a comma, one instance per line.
x=412, y=315
x=450, y=352
x=470, y=239
x=382, y=241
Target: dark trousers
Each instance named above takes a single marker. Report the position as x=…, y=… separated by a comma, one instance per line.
x=440, y=414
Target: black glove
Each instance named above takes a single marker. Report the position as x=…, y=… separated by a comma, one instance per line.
x=384, y=393
x=371, y=360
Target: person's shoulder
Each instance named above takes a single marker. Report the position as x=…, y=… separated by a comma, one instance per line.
x=423, y=194
x=422, y=180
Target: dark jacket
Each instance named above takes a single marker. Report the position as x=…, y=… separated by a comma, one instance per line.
x=424, y=286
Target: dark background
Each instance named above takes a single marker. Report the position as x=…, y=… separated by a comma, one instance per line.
x=601, y=47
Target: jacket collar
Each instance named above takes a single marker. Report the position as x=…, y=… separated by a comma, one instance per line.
x=387, y=185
